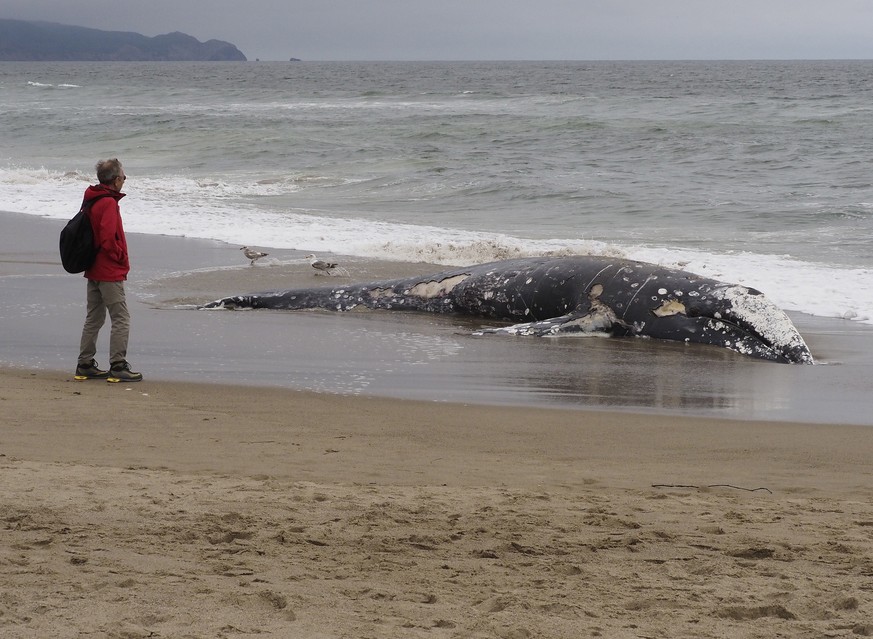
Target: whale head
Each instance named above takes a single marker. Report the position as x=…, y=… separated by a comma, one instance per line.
x=744, y=320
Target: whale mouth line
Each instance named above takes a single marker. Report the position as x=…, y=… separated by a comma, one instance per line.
x=749, y=338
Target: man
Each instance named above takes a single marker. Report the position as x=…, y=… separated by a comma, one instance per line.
x=106, y=279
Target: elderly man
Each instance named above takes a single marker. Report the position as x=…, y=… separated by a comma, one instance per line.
x=106, y=279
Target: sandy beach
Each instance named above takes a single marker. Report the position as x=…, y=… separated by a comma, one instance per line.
x=379, y=477
x=308, y=515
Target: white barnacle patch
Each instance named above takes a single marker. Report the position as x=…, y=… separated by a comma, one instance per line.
x=662, y=291
x=678, y=293
x=487, y=295
x=693, y=294
x=764, y=317
x=670, y=307
x=529, y=280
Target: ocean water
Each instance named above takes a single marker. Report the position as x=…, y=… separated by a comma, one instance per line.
x=753, y=172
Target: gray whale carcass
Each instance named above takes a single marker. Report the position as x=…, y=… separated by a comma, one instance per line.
x=553, y=296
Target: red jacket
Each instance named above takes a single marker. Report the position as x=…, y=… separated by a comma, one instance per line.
x=112, y=264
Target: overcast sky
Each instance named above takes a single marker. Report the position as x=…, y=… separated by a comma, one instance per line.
x=489, y=29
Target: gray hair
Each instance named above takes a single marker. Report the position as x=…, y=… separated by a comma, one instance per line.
x=108, y=170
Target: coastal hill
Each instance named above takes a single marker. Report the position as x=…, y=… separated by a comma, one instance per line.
x=44, y=41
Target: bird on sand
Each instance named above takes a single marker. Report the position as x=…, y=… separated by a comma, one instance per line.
x=320, y=265
x=252, y=254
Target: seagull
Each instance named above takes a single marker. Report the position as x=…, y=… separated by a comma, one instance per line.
x=252, y=254
x=320, y=265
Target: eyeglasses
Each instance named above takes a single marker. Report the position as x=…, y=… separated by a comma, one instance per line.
x=123, y=177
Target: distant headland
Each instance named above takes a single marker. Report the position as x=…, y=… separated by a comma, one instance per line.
x=22, y=40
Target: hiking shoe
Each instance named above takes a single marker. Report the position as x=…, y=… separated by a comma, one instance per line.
x=91, y=371
x=121, y=371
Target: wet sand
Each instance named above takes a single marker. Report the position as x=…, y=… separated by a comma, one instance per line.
x=370, y=476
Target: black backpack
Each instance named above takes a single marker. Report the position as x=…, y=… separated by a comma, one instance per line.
x=77, y=240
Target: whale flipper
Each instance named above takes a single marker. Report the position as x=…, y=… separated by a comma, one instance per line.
x=592, y=317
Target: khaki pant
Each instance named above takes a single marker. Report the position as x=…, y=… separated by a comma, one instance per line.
x=103, y=297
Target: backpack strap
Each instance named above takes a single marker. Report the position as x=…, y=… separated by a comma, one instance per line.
x=87, y=204
x=95, y=198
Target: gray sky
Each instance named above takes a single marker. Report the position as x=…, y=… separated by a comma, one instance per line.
x=489, y=29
